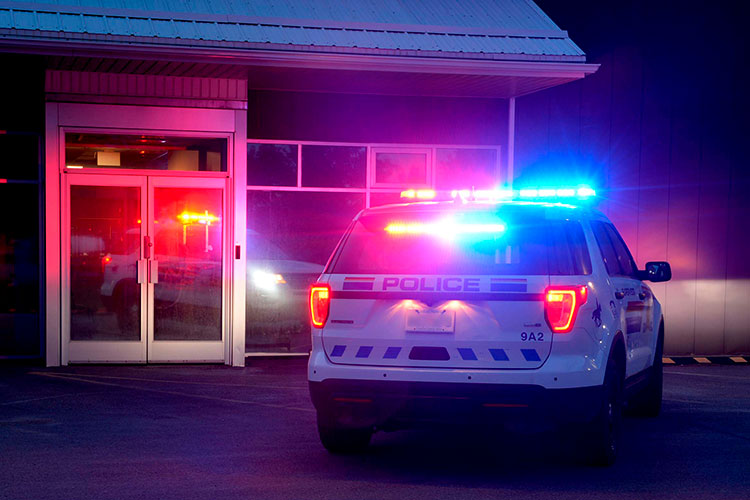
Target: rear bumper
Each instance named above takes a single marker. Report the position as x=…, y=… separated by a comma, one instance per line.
x=399, y=404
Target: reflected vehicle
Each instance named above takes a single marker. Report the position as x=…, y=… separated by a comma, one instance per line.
x=276, y=300
x=187, y=291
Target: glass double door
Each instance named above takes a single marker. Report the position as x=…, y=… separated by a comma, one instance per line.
x=145, y=269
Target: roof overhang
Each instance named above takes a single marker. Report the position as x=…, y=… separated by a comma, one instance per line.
x=320, y=71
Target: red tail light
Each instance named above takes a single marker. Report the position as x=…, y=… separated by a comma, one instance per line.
x=320, y=300
x=561, y=305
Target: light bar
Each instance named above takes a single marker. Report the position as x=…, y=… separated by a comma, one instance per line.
x=419, y=194
x=200, y=218
x=445, y=229
x=527, y=193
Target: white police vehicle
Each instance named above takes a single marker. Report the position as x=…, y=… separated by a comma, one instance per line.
x=525, y=312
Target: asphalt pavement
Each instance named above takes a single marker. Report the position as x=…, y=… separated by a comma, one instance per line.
x=214, y=432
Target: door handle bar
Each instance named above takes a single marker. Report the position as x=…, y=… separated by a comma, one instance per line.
x=141, y=276
x=153, y=271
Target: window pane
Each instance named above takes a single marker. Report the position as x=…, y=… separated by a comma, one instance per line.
x=568, y=253
x=20, y=160
x=623, y=254
x=272, y=164
x=19, y=271
x=606, y=248
x=290, y=237
x=334, y=166
x=464, y=168
x=401, y=168
x=377, y=199
x=523, y=249
x=105, y=236
x=188, y=248
x=150, y=152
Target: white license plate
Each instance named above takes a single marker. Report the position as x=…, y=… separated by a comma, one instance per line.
x=430, y=320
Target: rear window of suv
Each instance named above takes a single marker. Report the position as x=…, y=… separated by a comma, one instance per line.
x=527, y=246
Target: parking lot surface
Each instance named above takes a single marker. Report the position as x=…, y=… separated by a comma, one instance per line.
x=200, y=432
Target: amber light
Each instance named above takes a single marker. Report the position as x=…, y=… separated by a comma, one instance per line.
x=561, y=305
x=320, y=301
x=197, y=217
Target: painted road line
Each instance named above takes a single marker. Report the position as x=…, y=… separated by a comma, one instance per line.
x=174, y=393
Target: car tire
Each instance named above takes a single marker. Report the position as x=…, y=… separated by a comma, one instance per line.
x=343, y=441
x=647, y=402
x=602, y=436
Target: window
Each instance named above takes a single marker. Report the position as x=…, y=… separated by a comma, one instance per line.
x=272, y=164
x=145, y=152
x=302, y=197
x=401, y=167
x=529, y=246
x=334, y=166
x=462, y=168
x=615, y=254
x=19, y=270
x=290, y=236
x=568, y=253
x=20, y=156
x=627, y=265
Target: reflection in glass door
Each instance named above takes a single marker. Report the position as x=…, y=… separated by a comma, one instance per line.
x=145, y=269
x=187, y=224
x=106, y=296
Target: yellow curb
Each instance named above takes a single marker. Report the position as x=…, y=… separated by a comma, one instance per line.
x=668, y=361
x=738, y=359
x=703, y=360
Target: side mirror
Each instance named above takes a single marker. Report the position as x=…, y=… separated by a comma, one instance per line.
x=656, y=271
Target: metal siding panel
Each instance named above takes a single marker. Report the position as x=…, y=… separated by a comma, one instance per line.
x=24, y=20
x=48, y=21
x=97, y=25
x=6, y=21
x=532, y=131
x=208, y=31
x=119, y=25
x=713, y=219
x=141, y=27
x=626, y=120
x=72, y=23
x=472, y=14
x=163, y=28
x=185, y=30
x=737, y=308
x=653, y=190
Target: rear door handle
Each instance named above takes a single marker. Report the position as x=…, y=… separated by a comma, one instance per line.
x=619, y=295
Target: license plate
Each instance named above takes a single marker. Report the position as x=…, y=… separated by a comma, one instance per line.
x=430, y=320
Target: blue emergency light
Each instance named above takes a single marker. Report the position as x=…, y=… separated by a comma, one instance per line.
x=504, y=194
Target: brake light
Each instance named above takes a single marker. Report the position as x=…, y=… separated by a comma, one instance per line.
x=320, y=300
x=561, y=305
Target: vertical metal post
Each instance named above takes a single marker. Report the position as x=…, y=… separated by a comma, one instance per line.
x=511, y=137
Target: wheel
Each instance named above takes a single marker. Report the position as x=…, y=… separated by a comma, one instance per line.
x=603, y=434
x=340, y=440
x=647, y=403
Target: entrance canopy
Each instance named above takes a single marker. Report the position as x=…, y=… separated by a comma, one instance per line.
x=421, y=47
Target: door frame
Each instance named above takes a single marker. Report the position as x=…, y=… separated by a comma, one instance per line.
x=130, y=119
x=99, y=350
x=182, y=350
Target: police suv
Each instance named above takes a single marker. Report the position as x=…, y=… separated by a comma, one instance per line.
x=488, y=308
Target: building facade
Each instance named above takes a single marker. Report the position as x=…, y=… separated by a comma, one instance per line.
x=179, y=172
